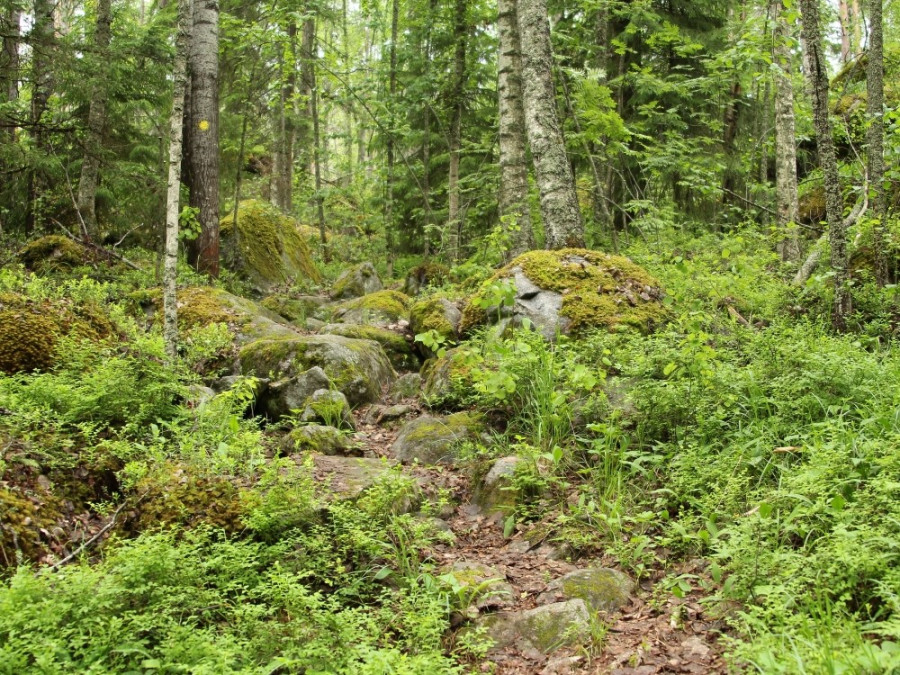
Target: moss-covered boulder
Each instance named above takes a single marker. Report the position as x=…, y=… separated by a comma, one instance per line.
x=280, y=398
x=485, y=586
x=435, y=440
x=53, y=252
x=271, y=249
x=321, y=439
x=408, y=385
x=357, y=281
x=340, y=479
x=437, y=314
x=30, y=330
x=426, y=274
x=570, y=291
x=294, y=309
x=357, y=368
x=496, y=492
x=381, y=308
x=602, y=589
x=546, y=628
x=26, y=521
x=398, y=349
x=444, y=380
x=329, y=408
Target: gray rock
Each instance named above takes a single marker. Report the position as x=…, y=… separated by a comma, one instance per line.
x=602, y=589
x=198, y=395
x=314, y=324
x=321, y=439
x=291, y=393
x=406, y=386
x=328, y=407
x=484, y=586
x=379, y=414
x=545, y=628
x=356, y=368
x=434, y=440
x=437, y=314
x=496, y=493
x=348, y=478
x=356, y=282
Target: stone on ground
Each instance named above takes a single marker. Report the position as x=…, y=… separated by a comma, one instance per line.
x=394, y=343
x=383, y=308
x=496, y=493
x=296, y=309
x=435, y=440
x=349, y=478
x=571, y=291
x=408, y=385
x=426, y=274
x=437, y=314
x=602, y=589
x=483, y=585
x=328, y=407
x=356, y=281
x=283, y=396
x=382, y=414
x=321, y=439
x=545, y=628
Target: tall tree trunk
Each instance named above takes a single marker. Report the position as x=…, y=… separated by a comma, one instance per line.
x=170, y=310
x=283, y=181
x=818, y=78
x=317, y=141
x=846, y=29
x=204, y=136
x=454, y=219
x=304, y=136
x=9, y=66
x=513, y=150
x=389, y=150
x=875, y=133
x=556, y=184
x=785, y=140
x=96, y=122
x=41, y=41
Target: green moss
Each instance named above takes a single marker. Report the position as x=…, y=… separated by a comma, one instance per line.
x=272, y=249
x=426, y=274
x=391, y=304
x=292, y=309
x=197, y=306
x=21, y=522
x=429, y=314
x=265, y=356
x=459, y=425
x=395, y=345
x=598, y=290
x=52, y=252
x=355, y=281
x=323, y=440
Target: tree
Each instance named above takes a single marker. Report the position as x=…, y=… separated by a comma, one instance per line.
x=456, y=101
x=93, y=145
x=512, y=144
x=556, y=184
x=818, y=80
x=875, y=134
x=203, y=125
x=787, y=203
x=179, y=77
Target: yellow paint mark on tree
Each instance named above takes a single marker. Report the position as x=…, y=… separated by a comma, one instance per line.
x=204, y=125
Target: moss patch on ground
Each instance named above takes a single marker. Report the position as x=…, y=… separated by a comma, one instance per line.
x=272, y=249
x=53, y=252
x=598, y=290
x=22, y=519
x=391, y=304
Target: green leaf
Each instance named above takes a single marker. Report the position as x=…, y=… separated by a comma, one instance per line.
x=765, y=510
x=669, y=369
x=509, y=526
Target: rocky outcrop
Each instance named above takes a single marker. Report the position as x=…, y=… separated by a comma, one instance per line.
x=357, y=281
x=321, y=439
x=395, y=343
x=434, y=440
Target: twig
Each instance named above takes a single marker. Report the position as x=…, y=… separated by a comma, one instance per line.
x=749, y=202
x=90, y=542
x=89, y=244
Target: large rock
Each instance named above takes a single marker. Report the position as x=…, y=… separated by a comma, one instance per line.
x=406, y=386
x=282, y=397
x=356, y=368
x=426, y=274
x=295, y=309
x=497, y=493
x=438, y=315
x=570, y=291
x=271, y=250
x=325, y=440
x=602, y=589
x=443, y=380
x=395, y=344
x=545, y=628
x=329, y=408
x=348, y=478
x=382, y=308
x=434, y=440
x=483, y=586
x=356, y=281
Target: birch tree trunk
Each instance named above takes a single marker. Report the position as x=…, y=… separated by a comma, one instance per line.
x=844, y=20
x=90, y=166
x=787, y=202
x=454, y=223
x=818, y=78
x=513, y=151
x=875, y=133
x=204, y=122
x=556, y=184
x=170, y=310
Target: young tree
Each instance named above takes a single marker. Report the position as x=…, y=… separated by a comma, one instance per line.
x=513, y=151
x=556, y=184
x=785, y=139
x=818, y=80
x=204, y=133
x=93, y=145
x=875, y=133
x=457, y=87
x=182, y=43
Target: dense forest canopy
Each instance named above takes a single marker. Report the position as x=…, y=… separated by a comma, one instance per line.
x=406, y=336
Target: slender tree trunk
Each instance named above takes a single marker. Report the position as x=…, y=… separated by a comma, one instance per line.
x=317, y=142
x=204, y=135
x=846, y=29
x=304, y=135
x=41, y=41
x=90, y=166
x=283, y=182
x=9, y=65
x=454, y=217
x=170, y=310
x=389, y=150
x=556, y=184
x=235, y=243
x=818, y=77
x=875, y=132
x=785, y=141
x=513, y=150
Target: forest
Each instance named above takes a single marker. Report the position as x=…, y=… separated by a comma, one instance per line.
x=415, y=337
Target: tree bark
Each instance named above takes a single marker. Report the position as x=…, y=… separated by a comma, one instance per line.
x=96, y=123
x=787, y=202
x=875, y=133
x=317, y=141
x=454, y=220
x=41, y=41
x=283, y=182
x=170, y=310
x=556, y=184
x=818, y=78
x=844, y=20
x=204, y=134
x=9, y=63
x=513, y=150
x=389, y=150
